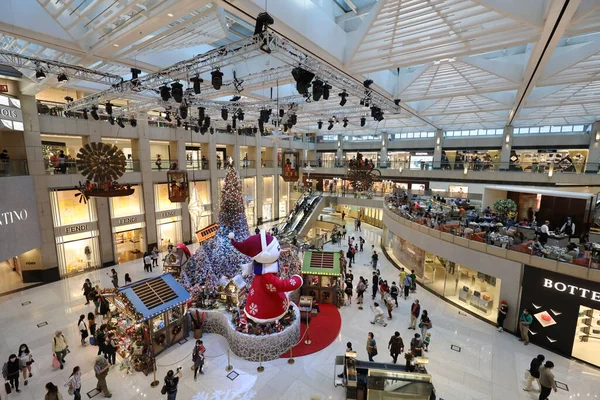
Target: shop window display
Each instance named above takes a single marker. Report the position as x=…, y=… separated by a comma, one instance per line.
x=586, y=345
x=475, y=291
x=67, y=210
x=161, y=192
x=130, y=244
x=169, y=232
x=78, y=252
x=127, y=205
x=407, y=254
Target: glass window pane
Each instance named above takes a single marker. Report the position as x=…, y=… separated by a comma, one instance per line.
x=544, y=129
x=473, y=132
x=410, y=135
x=481, y=132
x=555, y=129
x=567, y=128
x=534, y=129
x=578, y=128
x=403, y=136
x=430, y=134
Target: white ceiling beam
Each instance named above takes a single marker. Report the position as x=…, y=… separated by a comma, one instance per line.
x=507, y=98
x=222, y=19
x=509, y=71
x=405, y=78
x=567, y=56
x=361, y=12
x=587, y=8
x=558, y=20
x=530, y=12
x=351, y=5
x=355, y=39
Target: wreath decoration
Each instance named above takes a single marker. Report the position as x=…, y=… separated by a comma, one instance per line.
x=160, y=339
x=176, y=329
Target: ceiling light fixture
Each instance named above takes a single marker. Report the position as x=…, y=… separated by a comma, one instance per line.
x=94, y=113
x=120, y=122
x=62, y=78
x=183, y=111
x=165, y=93
x=197, y=81
x=170, y=15
x=108, y=108
x=303, y=79
x=330, y=127
x=326, y=88
x=115, y=45
x=368, y=83
x=345, y=122
x=217, y=79
x=224, y=114
x=39, y=74
x=317, y=91
x=201, y=113
x=343, y=95
x=320, y=124
x=177, y=91
x=363, y=121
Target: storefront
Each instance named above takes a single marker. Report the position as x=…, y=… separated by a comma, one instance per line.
x=249, y=196
x=284, y=197
x=541, y=160
x=268, y=194
x=421, y=159
x=566, y=313
x=405, y=253
x=76, y=232
x=168, y=218
x=465, y=287
x=128, y=226
x=475, y=160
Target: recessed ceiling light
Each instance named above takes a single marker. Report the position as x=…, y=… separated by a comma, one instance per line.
x=170, y=15
x=116, y=45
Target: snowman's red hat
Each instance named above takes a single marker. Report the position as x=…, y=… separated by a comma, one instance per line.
x=255, y=245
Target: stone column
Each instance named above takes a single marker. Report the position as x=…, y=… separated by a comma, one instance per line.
x=507, y=139
x=339, y=154
x=384, y=150
x=178, y=153
x=592, y=164
x=141, y=151
x=437, y=150
x=47, y=269
x=214, y=177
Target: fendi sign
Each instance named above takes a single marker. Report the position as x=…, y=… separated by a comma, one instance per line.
x=168, y=213
x=75, y=228
x=132, y=219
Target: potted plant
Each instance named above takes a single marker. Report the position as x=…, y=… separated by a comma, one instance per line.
x=505, y=208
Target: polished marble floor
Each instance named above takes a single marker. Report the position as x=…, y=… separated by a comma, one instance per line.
x=489, y=367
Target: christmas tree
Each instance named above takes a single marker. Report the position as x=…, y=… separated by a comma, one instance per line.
x=217, y=257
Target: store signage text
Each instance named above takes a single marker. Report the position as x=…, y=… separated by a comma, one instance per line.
x=127, y=220
x=8, y=113
x=572, y=289
x=13, y=216
x=76, y=228
x=166, y=214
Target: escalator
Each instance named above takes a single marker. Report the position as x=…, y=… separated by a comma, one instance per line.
x=297, y=219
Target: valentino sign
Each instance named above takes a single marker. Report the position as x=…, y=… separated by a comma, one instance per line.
x=572, y=289
x=13, y=217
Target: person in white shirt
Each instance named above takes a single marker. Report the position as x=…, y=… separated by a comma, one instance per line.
x=544, y=231
x=378, y=312
x=568, y=227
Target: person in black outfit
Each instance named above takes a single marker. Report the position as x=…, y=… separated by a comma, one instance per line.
x=375, y=286
x=171, y=382
x=100, y=339
x=534, y=372
x=12, y=372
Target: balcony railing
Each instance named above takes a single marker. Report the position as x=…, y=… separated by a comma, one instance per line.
x=54, y=167
x=13, y=167
x=197, y=165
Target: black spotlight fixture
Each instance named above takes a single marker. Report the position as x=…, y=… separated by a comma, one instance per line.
x=345, y=122
x=303, y=79
x=368, y=83
x=228, y=128
x=261, y=126
x=264, y=115
x=343, y=95
x=237, y=97
x=94, y=113
x=262, y=22
x=240, y=115
x=177, y=91
x=133, y=122
x=363, y=121
x=165, y=93
x=224, y=114
x=183, y=111
x=326, y=89
x=203, y=129
x=217, y=79
x=397, y=102
x=254, y=130
x=62, y=78
x=317, y=91
x=196, y=128
x=85, y=114
x=207, y=122
x=320, y=124
x=330, y=127
x=197, y=81
x=201, y=113
x=135, y=73
x=186, y=126
x=168, y=116
x=293, y=120
x=108, y=108
x=40, y=74
x=68, y=99
x=120, y=122
x=111, y=120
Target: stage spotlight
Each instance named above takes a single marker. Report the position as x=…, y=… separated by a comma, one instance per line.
x=281, y=112
x=94, y=113
x=185, y=126
x=330, y=127
x=293, y=120
x=108, y=108
x=168, y=116
x=62, y=78
x=261, y=126
x=343, y=95
x=240, y=115
x=235, y=98
x=264, y=115
x=228, y=128
x=203, y=129
x=320, y=124
x=85, y=114
x=39, y=74
x=196, y=128
x=368, y=83
x=133, y=122
x=363, y=121
x=212, y=131
x=345, y=122
x=397, y=102
x=165, y=93
x=326, y=89
x=224, y=114
x=135, y=73
x=177, y=91
x=262, y=22
x=68, y=99
x=201, y=113
x=317, y=89
x=217, y=79
x=254, y=130
x=207, y=122
x=303, y=79
x=120, y=122
x=183, y=111
x=197, y=81
x=111, y=120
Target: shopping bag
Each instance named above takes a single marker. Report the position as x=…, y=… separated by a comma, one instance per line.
x=55, y=362
x=92, y=340
x=7, y=387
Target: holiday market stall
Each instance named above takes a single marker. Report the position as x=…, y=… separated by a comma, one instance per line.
x=147, y=317
x=321, y=271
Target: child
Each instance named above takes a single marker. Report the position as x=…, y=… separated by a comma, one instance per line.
x=426, y=341
x=127, y=279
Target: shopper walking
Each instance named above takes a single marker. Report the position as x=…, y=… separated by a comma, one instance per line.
x=25, y=361
x=374, y=259
x=11, y=370
x=60, y=347
x=101, y=368
x=87, y=288
x=127, y=279
x=100, y=339
x=360, y=291
x=171, y=382
x=389, y=304
x=425, y=323
x=52, y=392
x=343, y=216
x=534, y=372
x=95, y=295
x=416, y=345
x=104, y=309
x=361, y=242
x=356, y=225
x=371, y=346
x=83, y=329
x=198, y=358
x=92, y=325
x=502, y=310
x=401, y=277
x=394, y=291
x=154, y=257
x=407, y=283
x=348, y=291
x=374, y=284
x=415, y=311
x=413, y=281
x=114, y=278
x=547, y=382
x=396, y=346
x=74, y=383
x=147, y=262
x=524, y=322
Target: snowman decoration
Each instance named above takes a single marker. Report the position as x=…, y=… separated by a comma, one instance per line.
x=267, y=299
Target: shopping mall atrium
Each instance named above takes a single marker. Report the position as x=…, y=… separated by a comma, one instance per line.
x=248, y=199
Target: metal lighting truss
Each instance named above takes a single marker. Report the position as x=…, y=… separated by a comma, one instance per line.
x=56, y=68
